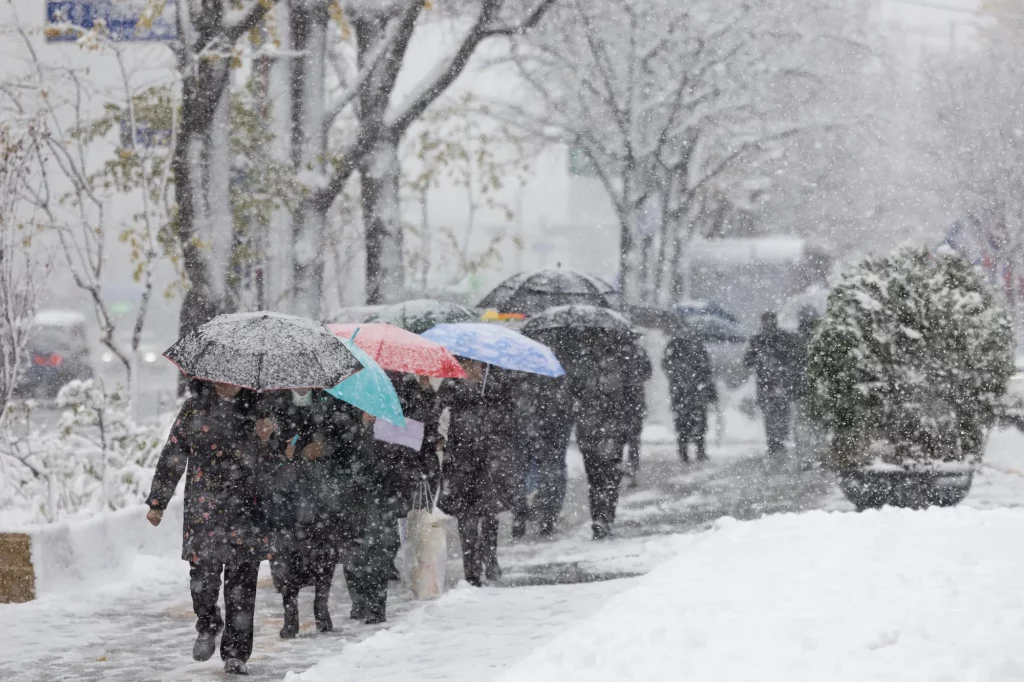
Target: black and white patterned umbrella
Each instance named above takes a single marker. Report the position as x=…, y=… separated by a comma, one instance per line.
x=532, y=292
x=264, y=351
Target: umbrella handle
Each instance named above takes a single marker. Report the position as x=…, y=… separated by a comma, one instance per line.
x=483, y=385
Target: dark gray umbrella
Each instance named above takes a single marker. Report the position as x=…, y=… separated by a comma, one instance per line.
x=532, y=292
x=579, y=317
x=419, y=315
x=264, y=351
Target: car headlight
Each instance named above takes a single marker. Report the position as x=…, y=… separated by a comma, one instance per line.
x=149, y=357
x=107, y=357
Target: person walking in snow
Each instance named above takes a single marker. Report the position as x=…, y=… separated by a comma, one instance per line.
x=213, y=443
x=296, y=476
x=545, y=411
x=386, y=476
x=601, y=373
x=482, y=469
x=772, y=355
x=638, y=371
x=691, y=383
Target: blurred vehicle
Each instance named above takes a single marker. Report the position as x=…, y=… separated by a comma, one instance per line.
x=748, y=276
x=726, y=342
x=149, y=358
x=689, y=309
x=57, y=353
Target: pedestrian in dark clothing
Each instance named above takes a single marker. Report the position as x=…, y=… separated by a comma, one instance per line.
x=692, y=388
x=638, y=371
x=483, y=474
x=213, y=443
x=772, y=355
x=545, y=410
x=601, y=374
x=386, y=476
x=296, y=492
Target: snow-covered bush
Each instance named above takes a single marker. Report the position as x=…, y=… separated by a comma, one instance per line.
x=910, y=361
x=97, y=459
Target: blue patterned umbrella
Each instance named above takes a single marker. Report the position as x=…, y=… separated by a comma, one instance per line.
x=496, y=345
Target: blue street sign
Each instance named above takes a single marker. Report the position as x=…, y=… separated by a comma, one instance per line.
x=121, y=18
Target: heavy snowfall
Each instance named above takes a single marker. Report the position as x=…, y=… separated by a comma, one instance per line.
x=511, y=340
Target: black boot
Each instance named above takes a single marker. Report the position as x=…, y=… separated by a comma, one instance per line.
x=206, y=644
x=291, y=615
x=321, y=611
x=235, y=666
x=546, y=528
x=492, y=571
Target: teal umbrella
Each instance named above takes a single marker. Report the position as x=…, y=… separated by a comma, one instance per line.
x=370, y=389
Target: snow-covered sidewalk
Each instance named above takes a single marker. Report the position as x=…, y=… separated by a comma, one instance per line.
x=884, y=595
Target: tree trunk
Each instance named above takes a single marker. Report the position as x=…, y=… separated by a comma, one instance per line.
x=385, y=267
x=308, y=29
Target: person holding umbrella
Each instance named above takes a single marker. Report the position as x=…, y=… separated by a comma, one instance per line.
x=386, y=473
x=483, y=471
x=214, y=443
x=302, y=508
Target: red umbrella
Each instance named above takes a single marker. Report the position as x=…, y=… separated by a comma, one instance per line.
x=397, y=350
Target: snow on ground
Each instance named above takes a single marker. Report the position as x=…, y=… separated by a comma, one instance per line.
x=883, y=595
x=468, y=635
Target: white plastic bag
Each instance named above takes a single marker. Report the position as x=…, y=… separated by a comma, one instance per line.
x=426, y=551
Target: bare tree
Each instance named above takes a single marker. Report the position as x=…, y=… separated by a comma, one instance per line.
x=22, y=271
x=376, y=124
x=75, y=190
x=667, y=102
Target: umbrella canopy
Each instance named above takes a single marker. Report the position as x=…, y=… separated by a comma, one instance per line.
x=496, y=345
x=579, y=317
x=370, y=389
x=264, y=351
x=397, y=350
x=533, y=292
x=420, y=315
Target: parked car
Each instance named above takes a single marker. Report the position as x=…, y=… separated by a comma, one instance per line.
x=690, y=309
x=57, y=353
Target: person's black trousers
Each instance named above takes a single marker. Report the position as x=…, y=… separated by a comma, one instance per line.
x=478, y=536
x=367, y=573
x=602, y=460
x=691, y=427
x=239, y=603
x=776, y=423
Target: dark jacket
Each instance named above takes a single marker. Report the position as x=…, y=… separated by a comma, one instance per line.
x=609, y=396
x=298, y=495
x=690, y=378
x=213, y=443
x=482, y=463
x=773, y=354
x=545, y=410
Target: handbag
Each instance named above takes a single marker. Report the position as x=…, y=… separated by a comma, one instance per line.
x=426, y=545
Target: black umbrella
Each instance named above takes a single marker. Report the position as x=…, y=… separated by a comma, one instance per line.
x=264, y=351
x=532, y=292
x=579, y=317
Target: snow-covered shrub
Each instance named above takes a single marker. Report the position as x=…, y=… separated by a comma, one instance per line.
x=910, y=360
x=97, y=459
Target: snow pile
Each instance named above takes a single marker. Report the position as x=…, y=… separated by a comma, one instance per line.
x=887, y=595
x=119, y=547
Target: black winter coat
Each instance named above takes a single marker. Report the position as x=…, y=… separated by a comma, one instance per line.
x=545, y=409
x=774, y=356
x=609, y=392
x=213, y=443
x=300, y=497
x=483, y=465
x=690, y=378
